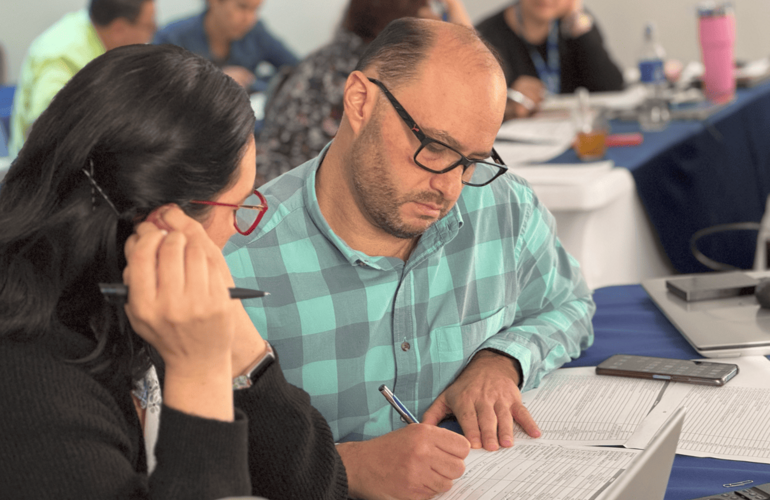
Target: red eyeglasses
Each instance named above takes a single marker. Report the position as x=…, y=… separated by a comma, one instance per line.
x=245, y=217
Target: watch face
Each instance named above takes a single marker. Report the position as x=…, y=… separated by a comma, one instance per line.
x=241, y=382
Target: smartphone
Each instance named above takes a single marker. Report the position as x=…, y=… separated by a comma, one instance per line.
x=676, y=370
x=711, y=286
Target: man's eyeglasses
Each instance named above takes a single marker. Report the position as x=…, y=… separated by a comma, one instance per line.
x=245, y=217
x=439, y=158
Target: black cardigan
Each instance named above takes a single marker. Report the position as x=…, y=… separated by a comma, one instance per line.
x=65, y=434
x=584, y=61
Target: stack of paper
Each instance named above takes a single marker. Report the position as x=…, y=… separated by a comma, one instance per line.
x=534, y=140
x=575, y=408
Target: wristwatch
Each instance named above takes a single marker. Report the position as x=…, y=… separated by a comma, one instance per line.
x=251, y=374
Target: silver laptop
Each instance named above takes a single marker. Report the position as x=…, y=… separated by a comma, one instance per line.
x=716, y=328
x=647, y=476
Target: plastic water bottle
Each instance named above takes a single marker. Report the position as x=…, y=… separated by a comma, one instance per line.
x=654, y=113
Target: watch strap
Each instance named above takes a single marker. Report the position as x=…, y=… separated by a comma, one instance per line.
x=251, y=374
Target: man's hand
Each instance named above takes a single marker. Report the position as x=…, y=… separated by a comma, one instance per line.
x=415, y=462
x=241, y=75
x=486, y=400
x=532, y=88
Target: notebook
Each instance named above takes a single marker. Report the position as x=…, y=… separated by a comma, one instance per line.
x=720, y=327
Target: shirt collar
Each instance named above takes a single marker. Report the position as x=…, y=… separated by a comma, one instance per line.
x=438, y=235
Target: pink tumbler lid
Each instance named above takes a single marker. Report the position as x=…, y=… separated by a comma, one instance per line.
x=715, y=9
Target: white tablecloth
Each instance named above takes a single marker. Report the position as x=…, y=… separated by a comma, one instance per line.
x=600, y=221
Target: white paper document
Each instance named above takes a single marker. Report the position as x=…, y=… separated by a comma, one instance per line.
x=628, y=98
x=537, y=470
x=576, y=406
x=534, y=140
x=731, y=422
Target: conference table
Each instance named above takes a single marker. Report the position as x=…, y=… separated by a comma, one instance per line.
x=699, y=173
x=628, y=322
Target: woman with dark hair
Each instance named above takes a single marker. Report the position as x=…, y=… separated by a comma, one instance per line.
x=304, y=113
x=549, y=46
x=138, y=172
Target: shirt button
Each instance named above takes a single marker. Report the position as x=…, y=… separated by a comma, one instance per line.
x=405, y=346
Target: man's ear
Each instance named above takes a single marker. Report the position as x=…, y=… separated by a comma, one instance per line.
x=358, y=100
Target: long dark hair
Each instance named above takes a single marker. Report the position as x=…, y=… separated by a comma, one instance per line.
x=155, y=125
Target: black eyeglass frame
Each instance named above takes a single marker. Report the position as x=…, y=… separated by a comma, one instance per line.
x=425, y=140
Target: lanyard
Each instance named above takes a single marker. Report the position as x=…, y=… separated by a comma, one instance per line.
x=549, y=74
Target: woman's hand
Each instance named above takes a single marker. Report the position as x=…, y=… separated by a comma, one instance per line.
x=179, y=303
x=571, y=7
x=456, y=12
x=533, y=89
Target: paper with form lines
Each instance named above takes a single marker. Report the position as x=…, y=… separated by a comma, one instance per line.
x=534, y=140
x=538, y=470
x=576, y=406
x=731, y=422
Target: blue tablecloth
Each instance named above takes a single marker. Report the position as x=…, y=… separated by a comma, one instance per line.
x=697, y=174
x=628, y=322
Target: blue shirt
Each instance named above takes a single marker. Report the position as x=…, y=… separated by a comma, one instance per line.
x=491, y=274
x=257, y=46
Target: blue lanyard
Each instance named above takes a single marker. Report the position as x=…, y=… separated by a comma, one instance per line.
x=549, y=74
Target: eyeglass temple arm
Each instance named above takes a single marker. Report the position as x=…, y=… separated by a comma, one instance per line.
x=498, y=159
x=400, y=110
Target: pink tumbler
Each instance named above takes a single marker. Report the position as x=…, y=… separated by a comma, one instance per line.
x=716, y=29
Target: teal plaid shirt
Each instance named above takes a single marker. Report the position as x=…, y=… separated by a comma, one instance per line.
x=490, y=275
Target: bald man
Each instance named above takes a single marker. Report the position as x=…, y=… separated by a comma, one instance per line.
x=406, y=255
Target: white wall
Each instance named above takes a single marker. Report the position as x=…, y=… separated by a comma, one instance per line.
x=307, y=24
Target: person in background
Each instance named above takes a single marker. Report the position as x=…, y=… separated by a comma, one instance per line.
x=405, y=255
x=64, y=48
x=173, y=394
x=230, y=34
x=303, y=115
x=549, y=46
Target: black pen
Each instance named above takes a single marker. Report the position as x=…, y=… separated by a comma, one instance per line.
x=406, y=415
x=119, y=290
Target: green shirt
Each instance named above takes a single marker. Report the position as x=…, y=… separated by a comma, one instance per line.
x=491, y=274
x=53, y=58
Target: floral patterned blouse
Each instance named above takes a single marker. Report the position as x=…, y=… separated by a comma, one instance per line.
x=305, y=112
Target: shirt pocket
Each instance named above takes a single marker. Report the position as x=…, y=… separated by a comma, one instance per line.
x=455, y=343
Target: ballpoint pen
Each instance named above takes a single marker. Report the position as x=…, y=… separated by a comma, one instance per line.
x=406, y=415
x=119, y=290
